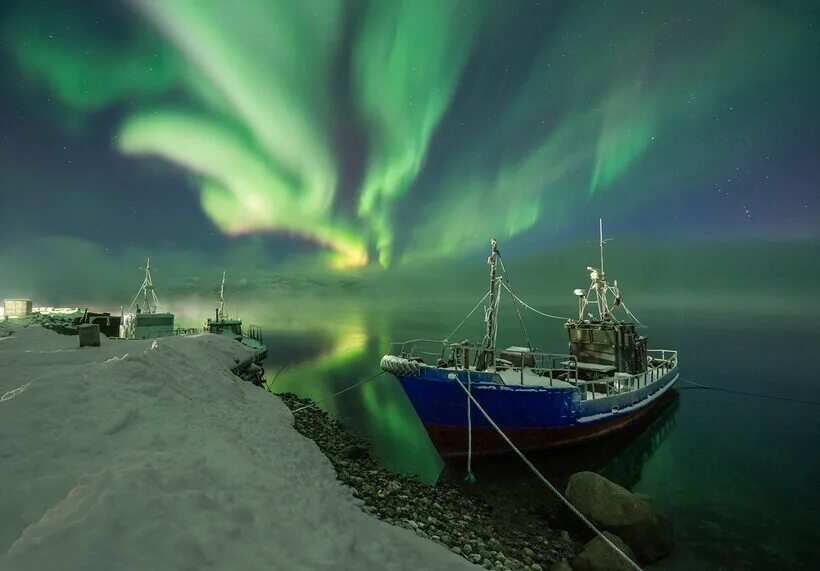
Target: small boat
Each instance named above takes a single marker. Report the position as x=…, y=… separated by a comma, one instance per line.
x=609, y=379
x=232, y=327
x=146, y=322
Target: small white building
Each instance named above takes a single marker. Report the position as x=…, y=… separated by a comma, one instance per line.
x=16, y=307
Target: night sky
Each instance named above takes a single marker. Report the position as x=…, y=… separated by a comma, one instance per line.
x=326, y=134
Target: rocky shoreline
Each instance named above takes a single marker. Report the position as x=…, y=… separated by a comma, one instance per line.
x=441, y=513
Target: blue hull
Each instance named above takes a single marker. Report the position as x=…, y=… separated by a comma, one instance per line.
x=533, y=417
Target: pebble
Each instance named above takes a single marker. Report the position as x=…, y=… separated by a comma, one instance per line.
x=441, y=513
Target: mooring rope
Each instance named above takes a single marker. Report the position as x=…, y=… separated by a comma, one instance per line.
x=522, y=302
x=276, y=376
x=547, y=482
x=351, y=387
x=744, y=393
x=470, y=476
x=480, y=301
x=632, y=315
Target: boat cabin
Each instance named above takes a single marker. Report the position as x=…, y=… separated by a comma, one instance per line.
x=225, y=326
x=145, y=322
x=614, y=345
x=141, y=325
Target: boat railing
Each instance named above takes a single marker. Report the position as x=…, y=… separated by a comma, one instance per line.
x=421, y=348
x=553, y=366
x=254, y=332
x=171, y=333
x=659, y=363
x=550, y=365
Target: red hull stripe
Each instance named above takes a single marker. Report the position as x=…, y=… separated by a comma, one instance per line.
x=452, y=440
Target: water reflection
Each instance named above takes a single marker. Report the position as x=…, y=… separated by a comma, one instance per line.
x=626, y=466
x=710, y=463
x=377, y=411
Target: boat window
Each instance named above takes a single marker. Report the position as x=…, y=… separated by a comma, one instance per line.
x=148, y=320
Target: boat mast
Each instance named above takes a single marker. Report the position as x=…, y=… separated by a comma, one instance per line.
x=601, y=289
x=150, y=301
x=601, y=238
x=487, y=357
x=221, y=314
x=149, y=297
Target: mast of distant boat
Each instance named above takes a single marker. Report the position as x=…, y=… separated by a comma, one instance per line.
x=147, y=291
x=221, y=313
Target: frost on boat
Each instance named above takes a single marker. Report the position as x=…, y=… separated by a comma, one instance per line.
x=607, y=381
x=145, y=322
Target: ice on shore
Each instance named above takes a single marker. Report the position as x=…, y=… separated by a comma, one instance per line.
x=151, y=455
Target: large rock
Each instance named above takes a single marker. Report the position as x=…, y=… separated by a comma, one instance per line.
x=562, y=565
x=615, y=509
x=598, y=555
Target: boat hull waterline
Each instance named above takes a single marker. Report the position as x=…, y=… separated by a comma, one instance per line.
x=534, y=418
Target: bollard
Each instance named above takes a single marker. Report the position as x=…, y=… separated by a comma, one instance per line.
x=89, y=335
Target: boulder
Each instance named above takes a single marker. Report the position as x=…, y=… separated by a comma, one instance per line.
x=562, y=565
x=613, y=508
x=597, y=555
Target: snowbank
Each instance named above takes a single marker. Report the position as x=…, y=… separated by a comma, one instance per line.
x=151, y=455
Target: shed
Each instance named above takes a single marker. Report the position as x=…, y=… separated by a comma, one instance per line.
x=17, y=307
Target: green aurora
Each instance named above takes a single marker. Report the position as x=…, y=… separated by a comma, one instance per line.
x=256, y=104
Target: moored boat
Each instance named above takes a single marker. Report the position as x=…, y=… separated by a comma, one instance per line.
x=608, y=380
x=145, y=322
x=232, y=327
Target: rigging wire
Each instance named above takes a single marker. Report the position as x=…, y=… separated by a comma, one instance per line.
x=480, y=301
x=744, y=393
x=632, y=315
x=515, y=303
x=522, y=302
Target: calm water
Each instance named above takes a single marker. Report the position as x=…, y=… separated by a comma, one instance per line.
x=736, y=475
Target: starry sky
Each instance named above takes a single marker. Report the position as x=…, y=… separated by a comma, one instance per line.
x=369, y=134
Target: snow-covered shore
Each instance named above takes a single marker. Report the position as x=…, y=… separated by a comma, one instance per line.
x=152, y=455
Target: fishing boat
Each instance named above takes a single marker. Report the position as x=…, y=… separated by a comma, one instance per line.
x=232, y=327
x=609, y=379
x=145, y=322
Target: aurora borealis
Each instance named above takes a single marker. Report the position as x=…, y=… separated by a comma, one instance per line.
x=371, y=132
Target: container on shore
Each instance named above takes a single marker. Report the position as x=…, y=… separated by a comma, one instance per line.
x=17, y=307
x=89, y=335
